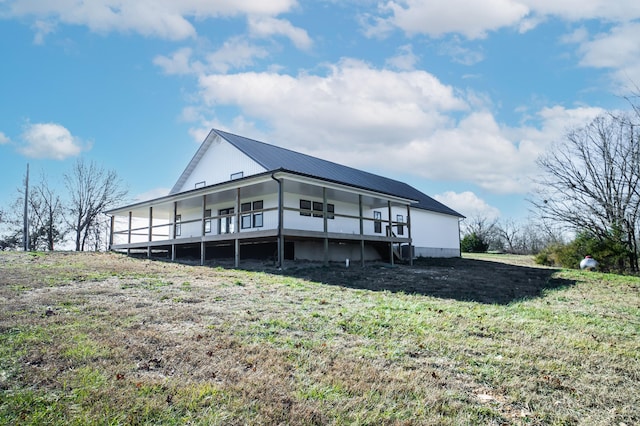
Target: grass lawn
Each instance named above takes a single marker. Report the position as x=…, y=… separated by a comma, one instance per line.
x=486, y=340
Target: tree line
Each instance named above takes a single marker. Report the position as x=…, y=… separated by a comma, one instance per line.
x=76, y=217
x=589, y=189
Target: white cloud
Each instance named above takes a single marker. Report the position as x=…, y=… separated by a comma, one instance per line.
x=617, y=50
x=613, y=49
x=474, y=149
x=4, y=139
x=579, y=35
x=439, y=17
x=179, y=62
x=353, y=103
x=468, y=204
x=167, y=19
x=405, y=60
x=436, y=18
x=42, y=29
x=578, y=10
x=235, y=53
x=463, y=55
x=50, y=140
x=389, y=122
x=266, y=26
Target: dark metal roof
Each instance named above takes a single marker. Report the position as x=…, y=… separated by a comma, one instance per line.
x=272, y=158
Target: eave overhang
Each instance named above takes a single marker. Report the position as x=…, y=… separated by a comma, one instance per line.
x=256, y=179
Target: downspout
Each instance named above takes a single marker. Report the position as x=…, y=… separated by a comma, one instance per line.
x=459, y=239
x=279, y=235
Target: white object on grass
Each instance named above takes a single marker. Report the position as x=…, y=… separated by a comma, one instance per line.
x=588, y=263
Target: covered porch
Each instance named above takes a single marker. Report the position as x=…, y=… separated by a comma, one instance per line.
x=291, y=216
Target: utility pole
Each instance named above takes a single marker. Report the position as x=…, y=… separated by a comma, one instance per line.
x=25, y=229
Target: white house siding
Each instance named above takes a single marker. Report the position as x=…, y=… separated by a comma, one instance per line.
x=294, y=220
x=228, y=160
x=194, y=229
x=434, y=234
x=339, y=224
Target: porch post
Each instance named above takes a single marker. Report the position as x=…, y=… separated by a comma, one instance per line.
x=173, y=245
x=361, y=230
x=280, y=223
x=325, y=226
x=150, y=231
x=113, y=222
x=390, y=232
x=409, y=234
x=236, y=231
x=203, y=248
x=204, y=208
x=129, y=236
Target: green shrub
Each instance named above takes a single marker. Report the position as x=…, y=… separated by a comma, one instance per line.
x=473, y=243
x=610, y=252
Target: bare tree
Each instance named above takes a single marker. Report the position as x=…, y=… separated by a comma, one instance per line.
x=46, y=213
x=97, y=237
x=484, y=228
x=592, y=182
x=92, y=190
x=10, y=237
x=45, y=227
x=510, y=234
x=526, y=237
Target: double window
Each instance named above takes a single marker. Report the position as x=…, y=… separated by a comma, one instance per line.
x=308, y=208
x=252, y=216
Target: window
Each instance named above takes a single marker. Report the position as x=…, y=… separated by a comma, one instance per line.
x=317, y=207
x=305, y=205
x=331, y=209
x=207, y=222
x=245, y=219
x=400, y=226
x=248, y=219
x=257, y=217
x=237, y=175
x=201, y=184
x=377, y=224
x=178, y=227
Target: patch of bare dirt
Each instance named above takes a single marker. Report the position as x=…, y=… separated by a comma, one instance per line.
x=485, y=281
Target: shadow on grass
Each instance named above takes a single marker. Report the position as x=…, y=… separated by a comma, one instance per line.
x=468, y=280
x=460, y=279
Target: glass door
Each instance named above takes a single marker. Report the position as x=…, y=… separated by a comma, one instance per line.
x=227, y=221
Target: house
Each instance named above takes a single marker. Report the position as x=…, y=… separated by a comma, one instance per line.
x=239, y=199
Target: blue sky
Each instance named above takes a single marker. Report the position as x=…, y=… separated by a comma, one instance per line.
x=458, y=98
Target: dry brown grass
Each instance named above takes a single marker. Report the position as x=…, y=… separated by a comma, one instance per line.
x=102, y=338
